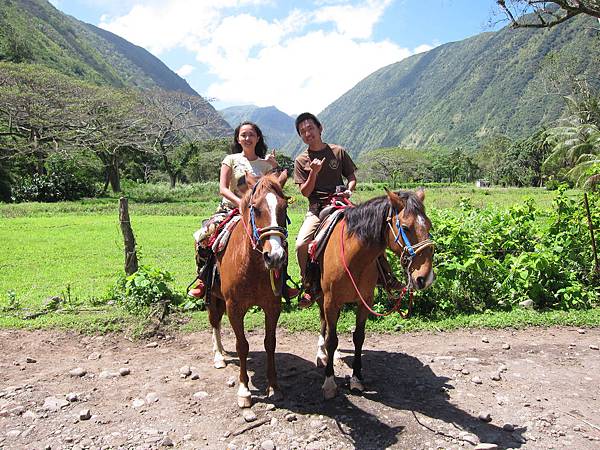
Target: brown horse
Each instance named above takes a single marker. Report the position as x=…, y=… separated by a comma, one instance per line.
x=349, y=271
x=255, y=251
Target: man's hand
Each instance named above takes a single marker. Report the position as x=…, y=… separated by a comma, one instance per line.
x=347, y=193
x=316, y=165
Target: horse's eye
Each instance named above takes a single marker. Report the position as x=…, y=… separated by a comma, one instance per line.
x=256, y=211
x=405, y=228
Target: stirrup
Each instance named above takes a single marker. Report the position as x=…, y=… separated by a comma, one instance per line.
x=305, y=300
x=198, y=291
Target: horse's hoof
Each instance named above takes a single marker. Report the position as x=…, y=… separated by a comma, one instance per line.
x=274, y=395
x=321, y=359
x=244, y=402
x=244, y=397
x=220, y=364
x=329, y=388
x=356, y=385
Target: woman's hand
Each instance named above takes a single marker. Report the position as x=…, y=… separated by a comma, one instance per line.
x=271, y=159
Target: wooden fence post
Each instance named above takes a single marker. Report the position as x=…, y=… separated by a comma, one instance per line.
x=131, y=262
x=591, y=227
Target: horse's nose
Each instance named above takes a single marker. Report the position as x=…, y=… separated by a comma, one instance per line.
x=273, y=260
x=420, y=282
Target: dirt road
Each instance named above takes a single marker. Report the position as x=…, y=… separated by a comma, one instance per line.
x=530, y=389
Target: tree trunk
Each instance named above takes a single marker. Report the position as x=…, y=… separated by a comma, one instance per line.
x=114, y=176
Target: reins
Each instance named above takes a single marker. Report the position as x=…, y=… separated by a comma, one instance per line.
x=396, y=306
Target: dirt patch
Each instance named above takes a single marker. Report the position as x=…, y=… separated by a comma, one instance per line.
x=538, y=388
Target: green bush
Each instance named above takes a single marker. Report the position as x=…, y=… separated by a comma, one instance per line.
x=66, y=179
x=147, y=288
x=493, y=259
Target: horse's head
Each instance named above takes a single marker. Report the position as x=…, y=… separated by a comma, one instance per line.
x=265, y=209
x=408, y=236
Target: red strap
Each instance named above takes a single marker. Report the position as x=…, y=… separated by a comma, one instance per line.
x=396, y=307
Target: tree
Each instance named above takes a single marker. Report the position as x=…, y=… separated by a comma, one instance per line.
x=174, y=122
x=113, y=128
x=546, y=14
x=575, y=144
x=395, y=165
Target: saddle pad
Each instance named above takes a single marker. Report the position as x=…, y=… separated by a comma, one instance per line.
x=316, y=246
x=221, y=241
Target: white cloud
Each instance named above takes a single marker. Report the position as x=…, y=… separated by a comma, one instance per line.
x=423, y=48
x=302, y=61
x=354, y=21
x=185, y=70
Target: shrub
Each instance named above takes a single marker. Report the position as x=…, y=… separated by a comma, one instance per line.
x=66, y=179
x=147, y=288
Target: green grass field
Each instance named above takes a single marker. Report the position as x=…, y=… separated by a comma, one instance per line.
x=76, y=248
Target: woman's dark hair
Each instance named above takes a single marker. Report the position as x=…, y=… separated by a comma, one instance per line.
x=261, y=146
x=306, y=116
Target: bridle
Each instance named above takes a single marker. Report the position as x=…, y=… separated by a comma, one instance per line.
x=409, y=251
x=258, y=235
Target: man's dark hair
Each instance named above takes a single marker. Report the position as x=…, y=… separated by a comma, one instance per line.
x=306, y=116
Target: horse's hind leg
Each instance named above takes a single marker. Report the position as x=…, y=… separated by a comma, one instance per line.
x=215, y=314
x=358, y=337
x=331, y=342
x=236, y=318
x=271, y=317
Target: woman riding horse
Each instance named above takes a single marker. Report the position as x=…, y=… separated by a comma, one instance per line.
x=251, y=274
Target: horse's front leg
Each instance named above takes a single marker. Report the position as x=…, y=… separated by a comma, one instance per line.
x=321, y=351
x=332, y=314
x=271, y=318
x=215, y=314
x=356, y=383
x=236, y=318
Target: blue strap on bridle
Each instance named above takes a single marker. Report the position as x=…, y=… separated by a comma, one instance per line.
x=255, y=233
x=407, y=243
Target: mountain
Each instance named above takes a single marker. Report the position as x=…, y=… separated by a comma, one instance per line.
x=277, y=126
x=459, y=93
x=35, y=32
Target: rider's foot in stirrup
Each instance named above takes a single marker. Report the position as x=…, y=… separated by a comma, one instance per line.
x=290, y=292
x=306, y=300
x=198, y=291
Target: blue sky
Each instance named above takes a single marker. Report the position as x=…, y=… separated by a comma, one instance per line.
x=295, y=55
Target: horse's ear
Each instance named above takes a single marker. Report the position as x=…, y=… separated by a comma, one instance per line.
x=395, y=199
x=251, y=180
x=421, y=194
x=282, y=178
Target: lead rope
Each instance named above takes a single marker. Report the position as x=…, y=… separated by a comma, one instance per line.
x=398, y=300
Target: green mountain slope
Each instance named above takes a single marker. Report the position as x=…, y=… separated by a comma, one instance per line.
x=458, y=93
x=276, y=125
x=33, y=31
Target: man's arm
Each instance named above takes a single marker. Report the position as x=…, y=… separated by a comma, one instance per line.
x=308, y=186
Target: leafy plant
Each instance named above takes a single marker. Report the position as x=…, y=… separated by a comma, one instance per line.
x=147, y=288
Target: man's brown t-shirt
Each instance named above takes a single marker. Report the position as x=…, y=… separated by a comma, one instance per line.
x=337, y=164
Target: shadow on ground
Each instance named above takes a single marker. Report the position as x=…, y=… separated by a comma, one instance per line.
x=395, y=380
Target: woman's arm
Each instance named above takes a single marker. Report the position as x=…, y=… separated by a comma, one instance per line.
x=224, y=179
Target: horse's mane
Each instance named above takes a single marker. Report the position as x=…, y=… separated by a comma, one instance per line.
x=367, y=221
x=267, y=183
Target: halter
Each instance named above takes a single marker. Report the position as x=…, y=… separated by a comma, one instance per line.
x=409, y=251
x=256, y=234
